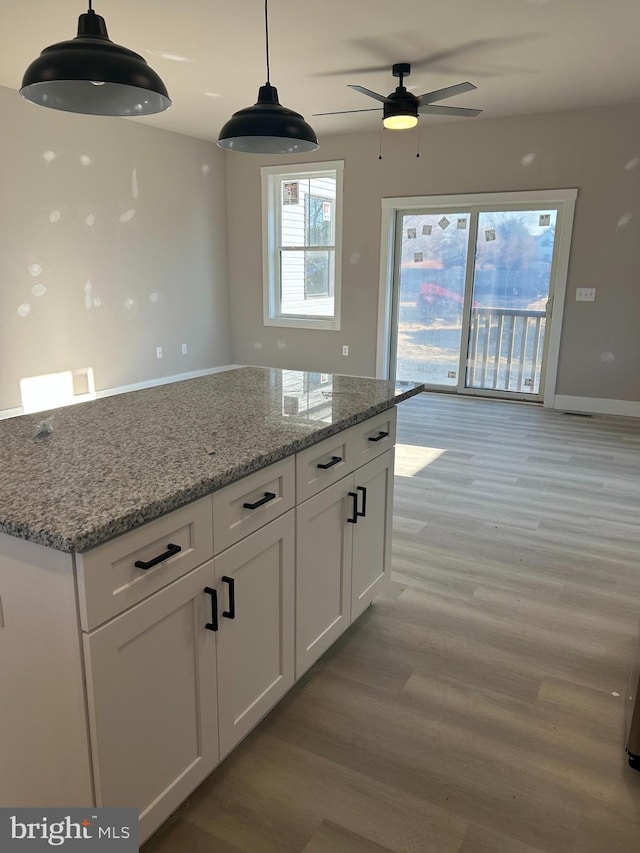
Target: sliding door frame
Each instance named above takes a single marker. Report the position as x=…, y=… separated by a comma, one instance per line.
x=563, y=200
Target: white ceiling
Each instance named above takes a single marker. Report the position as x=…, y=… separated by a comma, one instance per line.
x=525, y=56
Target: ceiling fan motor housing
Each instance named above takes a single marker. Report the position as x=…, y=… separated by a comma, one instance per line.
x=400, y=103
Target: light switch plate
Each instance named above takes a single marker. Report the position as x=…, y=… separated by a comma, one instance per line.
x=585, y=294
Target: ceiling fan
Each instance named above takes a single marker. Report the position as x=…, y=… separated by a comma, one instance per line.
x=401, y=108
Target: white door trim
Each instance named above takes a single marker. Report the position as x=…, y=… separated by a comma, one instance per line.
x=564, y=199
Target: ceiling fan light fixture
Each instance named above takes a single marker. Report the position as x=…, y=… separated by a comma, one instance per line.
x=90, y=74
x=400, y=122
x=267, y=127
x=400, y=110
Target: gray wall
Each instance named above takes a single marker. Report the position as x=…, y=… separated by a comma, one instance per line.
x=587, y=149
x=169, y=258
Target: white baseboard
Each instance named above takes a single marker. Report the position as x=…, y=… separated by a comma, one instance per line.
x=597, y=405
x=137, y=386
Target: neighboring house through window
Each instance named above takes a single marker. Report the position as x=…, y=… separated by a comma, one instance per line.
x=302, y=234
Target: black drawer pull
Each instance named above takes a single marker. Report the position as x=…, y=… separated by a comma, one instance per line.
x=213, y=625
x=334, y=461
x=354, y=520
x=364, y=501
x=268, y=496
x=379, y=436
x=171, y=551
x=231, y=612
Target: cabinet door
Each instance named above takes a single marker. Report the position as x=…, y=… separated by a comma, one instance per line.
x=255, y=642
x=323, y=572
x=151, y=683
x=372, y=534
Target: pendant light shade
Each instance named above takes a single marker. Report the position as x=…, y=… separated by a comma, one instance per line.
x=267, y=127
x=90, y=74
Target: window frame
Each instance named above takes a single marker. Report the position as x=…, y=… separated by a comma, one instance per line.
x=271, y=230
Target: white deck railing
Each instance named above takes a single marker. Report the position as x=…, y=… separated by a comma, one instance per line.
x=505, y=349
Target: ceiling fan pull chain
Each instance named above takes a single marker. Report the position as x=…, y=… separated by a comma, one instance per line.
x=418, y=154
x=380, y=154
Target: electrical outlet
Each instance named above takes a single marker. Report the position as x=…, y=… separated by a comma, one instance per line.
x=158, y=352
x=585, y=294
x=185, y=349
x=345, y=350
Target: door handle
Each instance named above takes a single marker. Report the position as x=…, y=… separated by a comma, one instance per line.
x=213, y=625
x=364, y=502
x=268, y=496
x=354, y=520
x=231, y=612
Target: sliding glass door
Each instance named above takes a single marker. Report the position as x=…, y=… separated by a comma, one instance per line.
x=431, y=272
x=473, y=288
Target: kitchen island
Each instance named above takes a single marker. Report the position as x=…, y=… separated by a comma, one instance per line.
x=171, y=561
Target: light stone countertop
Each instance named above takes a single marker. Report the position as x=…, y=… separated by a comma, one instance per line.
x=112, y=464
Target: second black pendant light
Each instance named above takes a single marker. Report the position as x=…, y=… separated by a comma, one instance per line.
x=267, y=127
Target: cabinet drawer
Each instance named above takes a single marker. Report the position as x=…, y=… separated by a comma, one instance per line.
x=270, y=492
x=110, y=582
x=317, y=466
x=373, y=437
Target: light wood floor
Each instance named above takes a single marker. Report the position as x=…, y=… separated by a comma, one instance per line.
x=479, y=707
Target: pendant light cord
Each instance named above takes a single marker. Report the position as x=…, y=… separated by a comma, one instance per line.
x=266, y=36
x=91, y=5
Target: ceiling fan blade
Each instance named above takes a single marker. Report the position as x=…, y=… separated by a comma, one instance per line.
x=448, y=92
x=427, y=109
x=368, y=92
x=367, y=69
x=344, y=112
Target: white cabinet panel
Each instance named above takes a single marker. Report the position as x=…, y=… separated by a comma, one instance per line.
x=256, y=636
x=373, y=437
x=109, y=579
x=151, y=681
x=250, y=503
x=323, y=464
x=323, y=572
x=372, y=534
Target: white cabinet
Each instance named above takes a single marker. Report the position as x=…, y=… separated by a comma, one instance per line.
x=255, y=640
x=177, y=637
x=342, y=555
x=323, y=572
x=372, y=534
x=151, y=682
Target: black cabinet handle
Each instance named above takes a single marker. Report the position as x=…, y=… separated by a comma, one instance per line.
x=354, y=520
x=213, y=625
x=364, y=501
x=171, y=551
x=231, y=612
x=268, y=496
x=334, y=461
x=379, y=436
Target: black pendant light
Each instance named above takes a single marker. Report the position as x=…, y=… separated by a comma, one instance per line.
x=267, y=127
x=90, y=74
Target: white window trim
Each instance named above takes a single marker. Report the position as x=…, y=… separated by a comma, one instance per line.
x=270, y=227
x=563, y=199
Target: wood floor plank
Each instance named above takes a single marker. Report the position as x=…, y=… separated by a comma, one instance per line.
x=331, y=838
x=472, y=709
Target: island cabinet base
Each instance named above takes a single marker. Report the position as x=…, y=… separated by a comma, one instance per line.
x=127, y=678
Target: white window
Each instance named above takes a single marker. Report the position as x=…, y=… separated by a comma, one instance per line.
x=302, y=223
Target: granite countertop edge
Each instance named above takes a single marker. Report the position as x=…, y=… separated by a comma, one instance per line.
x=155, y=509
